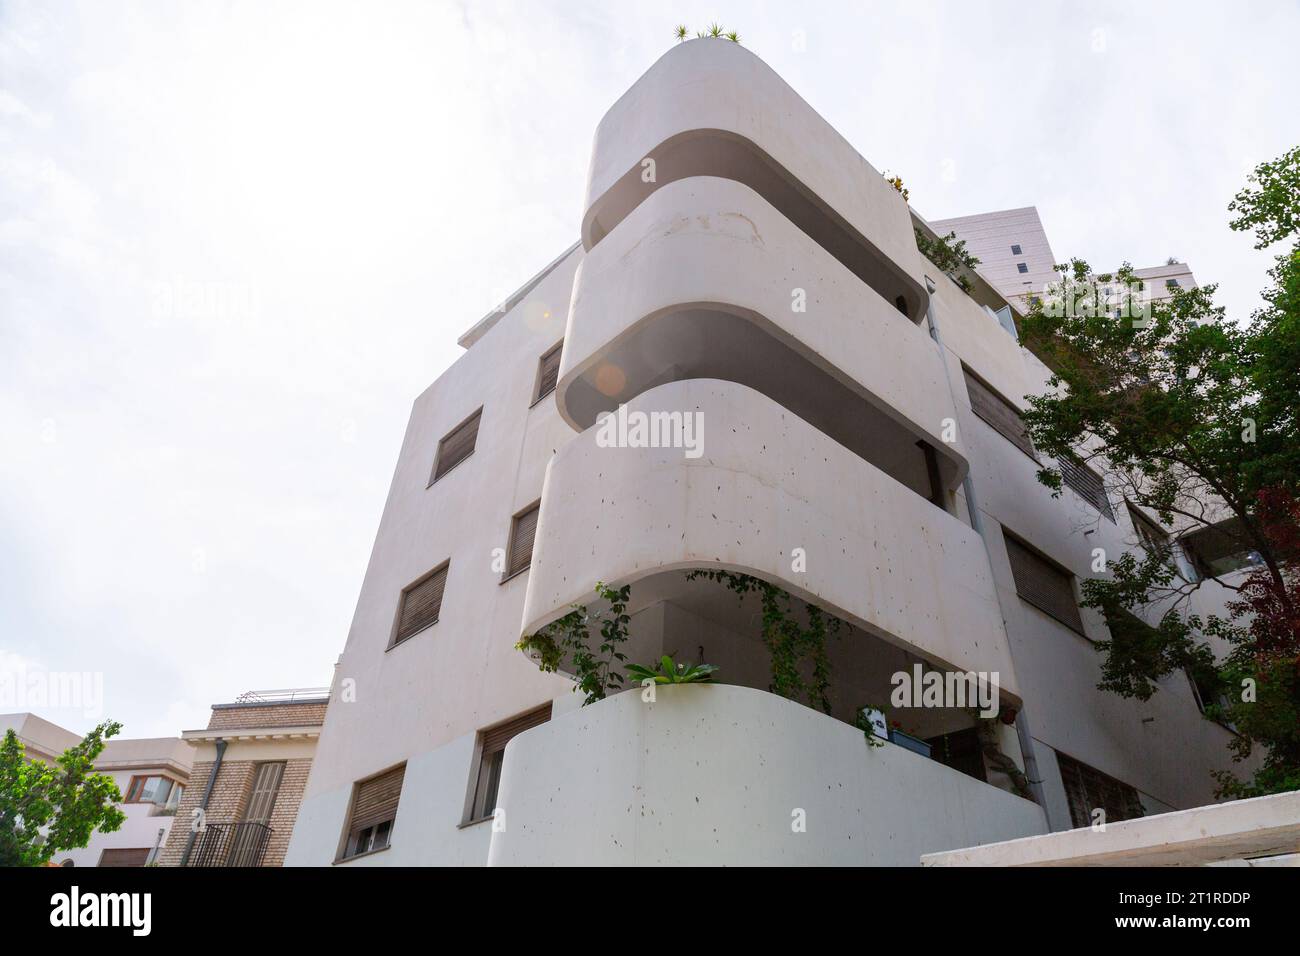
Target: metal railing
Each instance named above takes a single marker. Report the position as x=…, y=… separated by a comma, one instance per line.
x=282, y=696
x=231, y=844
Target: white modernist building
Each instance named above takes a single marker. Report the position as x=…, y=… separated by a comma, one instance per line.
x=846, y=431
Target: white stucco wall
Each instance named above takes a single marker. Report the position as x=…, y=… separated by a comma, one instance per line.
x=711, y=775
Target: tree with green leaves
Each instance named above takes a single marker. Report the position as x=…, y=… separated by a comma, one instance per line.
x=45, y=810
x=1196, y=419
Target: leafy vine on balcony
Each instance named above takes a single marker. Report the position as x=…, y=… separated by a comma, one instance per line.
x=949, y=255
x=795, y=648
x=567, y=637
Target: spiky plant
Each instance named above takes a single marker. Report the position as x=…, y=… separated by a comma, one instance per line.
x=679, y=32
x=670, y=673
x=715, y=30
x=733, y=36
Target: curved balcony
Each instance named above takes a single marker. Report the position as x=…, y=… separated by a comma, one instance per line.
x=712, y=108
x=764, y=483
x=699, y=282
x=710, y=775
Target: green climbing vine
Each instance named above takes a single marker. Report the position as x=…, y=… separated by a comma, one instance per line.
x=795, y=648
x=568, y=636
x=949, y=255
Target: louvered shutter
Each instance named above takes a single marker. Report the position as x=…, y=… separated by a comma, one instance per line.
x=998, y=412
x=1085, y=483
x=549, y=372
x=496, y=738
x=457, y=445
x=266, y=786
x=523, y=530
x=421, y=603
x=136, y=857
x=376, y=799
x=1043, y=585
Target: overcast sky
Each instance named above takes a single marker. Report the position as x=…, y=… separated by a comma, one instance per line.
x=238, y=239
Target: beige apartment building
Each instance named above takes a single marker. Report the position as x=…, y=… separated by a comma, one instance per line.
x=1016, y=258
x=151, y=773
x=845, y=427
x=250, y=769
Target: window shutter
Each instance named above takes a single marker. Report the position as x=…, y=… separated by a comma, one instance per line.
x=421, y=603
x=135, y=857
x=265, y=788
x=523, y=530
x=1043, y=585
x=496, y=738
x=549, y=373
x=376, y=799
x=1086, y=483
x=998, y=413
x=1087, y=789
x=457, y=445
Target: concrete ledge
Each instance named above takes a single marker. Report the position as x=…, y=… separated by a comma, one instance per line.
x=1225, y=831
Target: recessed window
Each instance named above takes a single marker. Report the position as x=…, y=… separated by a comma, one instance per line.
x=1220, y=549
x=523, y=530
x=1087, y=790
x=456, y=446
x=420, y=605
x=548, y=373
x=1085, y=483
x=1043, y=583
x=161, y=791
x=1021, y=268
x=492, y=750
x=374, y=810
x=998, y=412
x=1172, y=284
x=1015, y=251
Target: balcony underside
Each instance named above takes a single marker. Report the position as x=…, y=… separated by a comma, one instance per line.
x=707, y=280
x=725, y=775
x=876, y=555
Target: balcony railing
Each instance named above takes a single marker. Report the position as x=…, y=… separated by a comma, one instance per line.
x=231, y=844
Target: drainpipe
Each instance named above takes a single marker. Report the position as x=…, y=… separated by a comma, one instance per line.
x=972, y=507
x=207, y=795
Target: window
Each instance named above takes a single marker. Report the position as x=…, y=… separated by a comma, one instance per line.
x=492, y=751
x=548, y=373
x=1015, y=250
x=1043, y=584
x=1207, y=690
x=523, y=530
x=1087, y=484
x=960, y=750
x=161, y=791
x=1021, y=268
x=1153, y=538
x=998, y=412
x=456, y=446
x=133, y=857
x=421, y=602
x=374, y=808
x=266, y=786
x=1220, y=549
x=1087, y=790
x=1172, y=284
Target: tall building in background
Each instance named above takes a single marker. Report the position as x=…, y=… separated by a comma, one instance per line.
x=1012, y=247
x=1016, y=257
x=802, y=399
